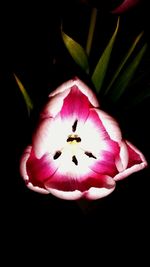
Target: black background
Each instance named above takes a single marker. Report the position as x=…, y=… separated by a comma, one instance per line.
x=43, y=226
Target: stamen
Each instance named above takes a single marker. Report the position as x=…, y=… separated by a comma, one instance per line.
x=89, y=154
x=74, y=126
x=74, y=159
x=74, y=138
x=57, y=155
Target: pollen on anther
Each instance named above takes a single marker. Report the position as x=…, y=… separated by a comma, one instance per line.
x=57, y=155
x=74, y=160
x=72, y=138
x=74, y=126
x=89, y=154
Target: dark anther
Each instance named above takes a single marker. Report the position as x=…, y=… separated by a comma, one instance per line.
x=74, y=126
x=74, y=159
x=89, y=154
x=76, y=138
x=57, y=155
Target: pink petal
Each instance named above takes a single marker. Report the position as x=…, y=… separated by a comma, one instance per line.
x=24, y=173
x=127, y=4
x=93, y=134
x=81, y=86
x=96, y=137
x=73, y=195
x=92, y=194
x=110, y=125
x=70, y=183
x=55, y=104
x=39, y=170
x=37, y=189
x=97, y=193
x=106, y=164
x=122, y=158
x=50, y=136
x=87, y=92
x=76, y=105
x=136, y=162
x=23, y=161
x=135, y=156
x=63, y=87
x=97, y=123
x=41, y=137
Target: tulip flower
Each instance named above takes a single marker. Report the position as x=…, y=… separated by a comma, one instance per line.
x=126, y=4
x=77, y=149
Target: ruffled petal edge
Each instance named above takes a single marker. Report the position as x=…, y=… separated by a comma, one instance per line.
x=135, y=156
x=23, y=172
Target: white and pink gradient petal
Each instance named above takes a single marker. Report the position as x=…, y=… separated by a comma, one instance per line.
x=136, y=162
x=78, y=108
x=92, y=193
x=54, y=104
x=122, y=158
x=41, y=137
x=66, y=195
x=87, y=92
x=50, y=136
x=81, y=86
x=23, y=172
x=95, y=193
x=23, y=162
x=37, y=189
x=111, y=125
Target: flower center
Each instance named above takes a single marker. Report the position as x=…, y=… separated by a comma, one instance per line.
x=74, y=148
x=73, y=139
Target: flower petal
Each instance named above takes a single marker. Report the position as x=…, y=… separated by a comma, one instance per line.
x=76, y=105
x=70, y=195
x=106, y=164
x=88, y=92
x=24, y=173
x=37, y=189
x=95, y=137
x=135, y=156
x=110, y=125
x=97, y=193
x=55, y=104
x=92, y=194
x=136, y=162
x=126, y=4
x=93, y=134
x=70, y=182
x=122, y=157
x=50, y=136
x=81, y=86
x=23, y=161
x=41, y=137
x=39, y=170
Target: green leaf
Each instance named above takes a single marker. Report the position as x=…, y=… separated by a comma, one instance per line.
x=123, y=62
x=76, y=51
x=94, y=14
x=26, y=97
x=126, y=76
x=102, y=65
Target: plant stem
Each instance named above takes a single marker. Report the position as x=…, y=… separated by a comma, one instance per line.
x=91, y=30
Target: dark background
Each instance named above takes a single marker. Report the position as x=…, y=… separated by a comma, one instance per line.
x=42, y=225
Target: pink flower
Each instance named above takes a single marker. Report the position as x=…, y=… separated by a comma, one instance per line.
x=77, y=149
x=125, y=5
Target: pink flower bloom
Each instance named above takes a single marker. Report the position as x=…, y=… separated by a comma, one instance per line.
x=126, y=4
x=77, y=149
